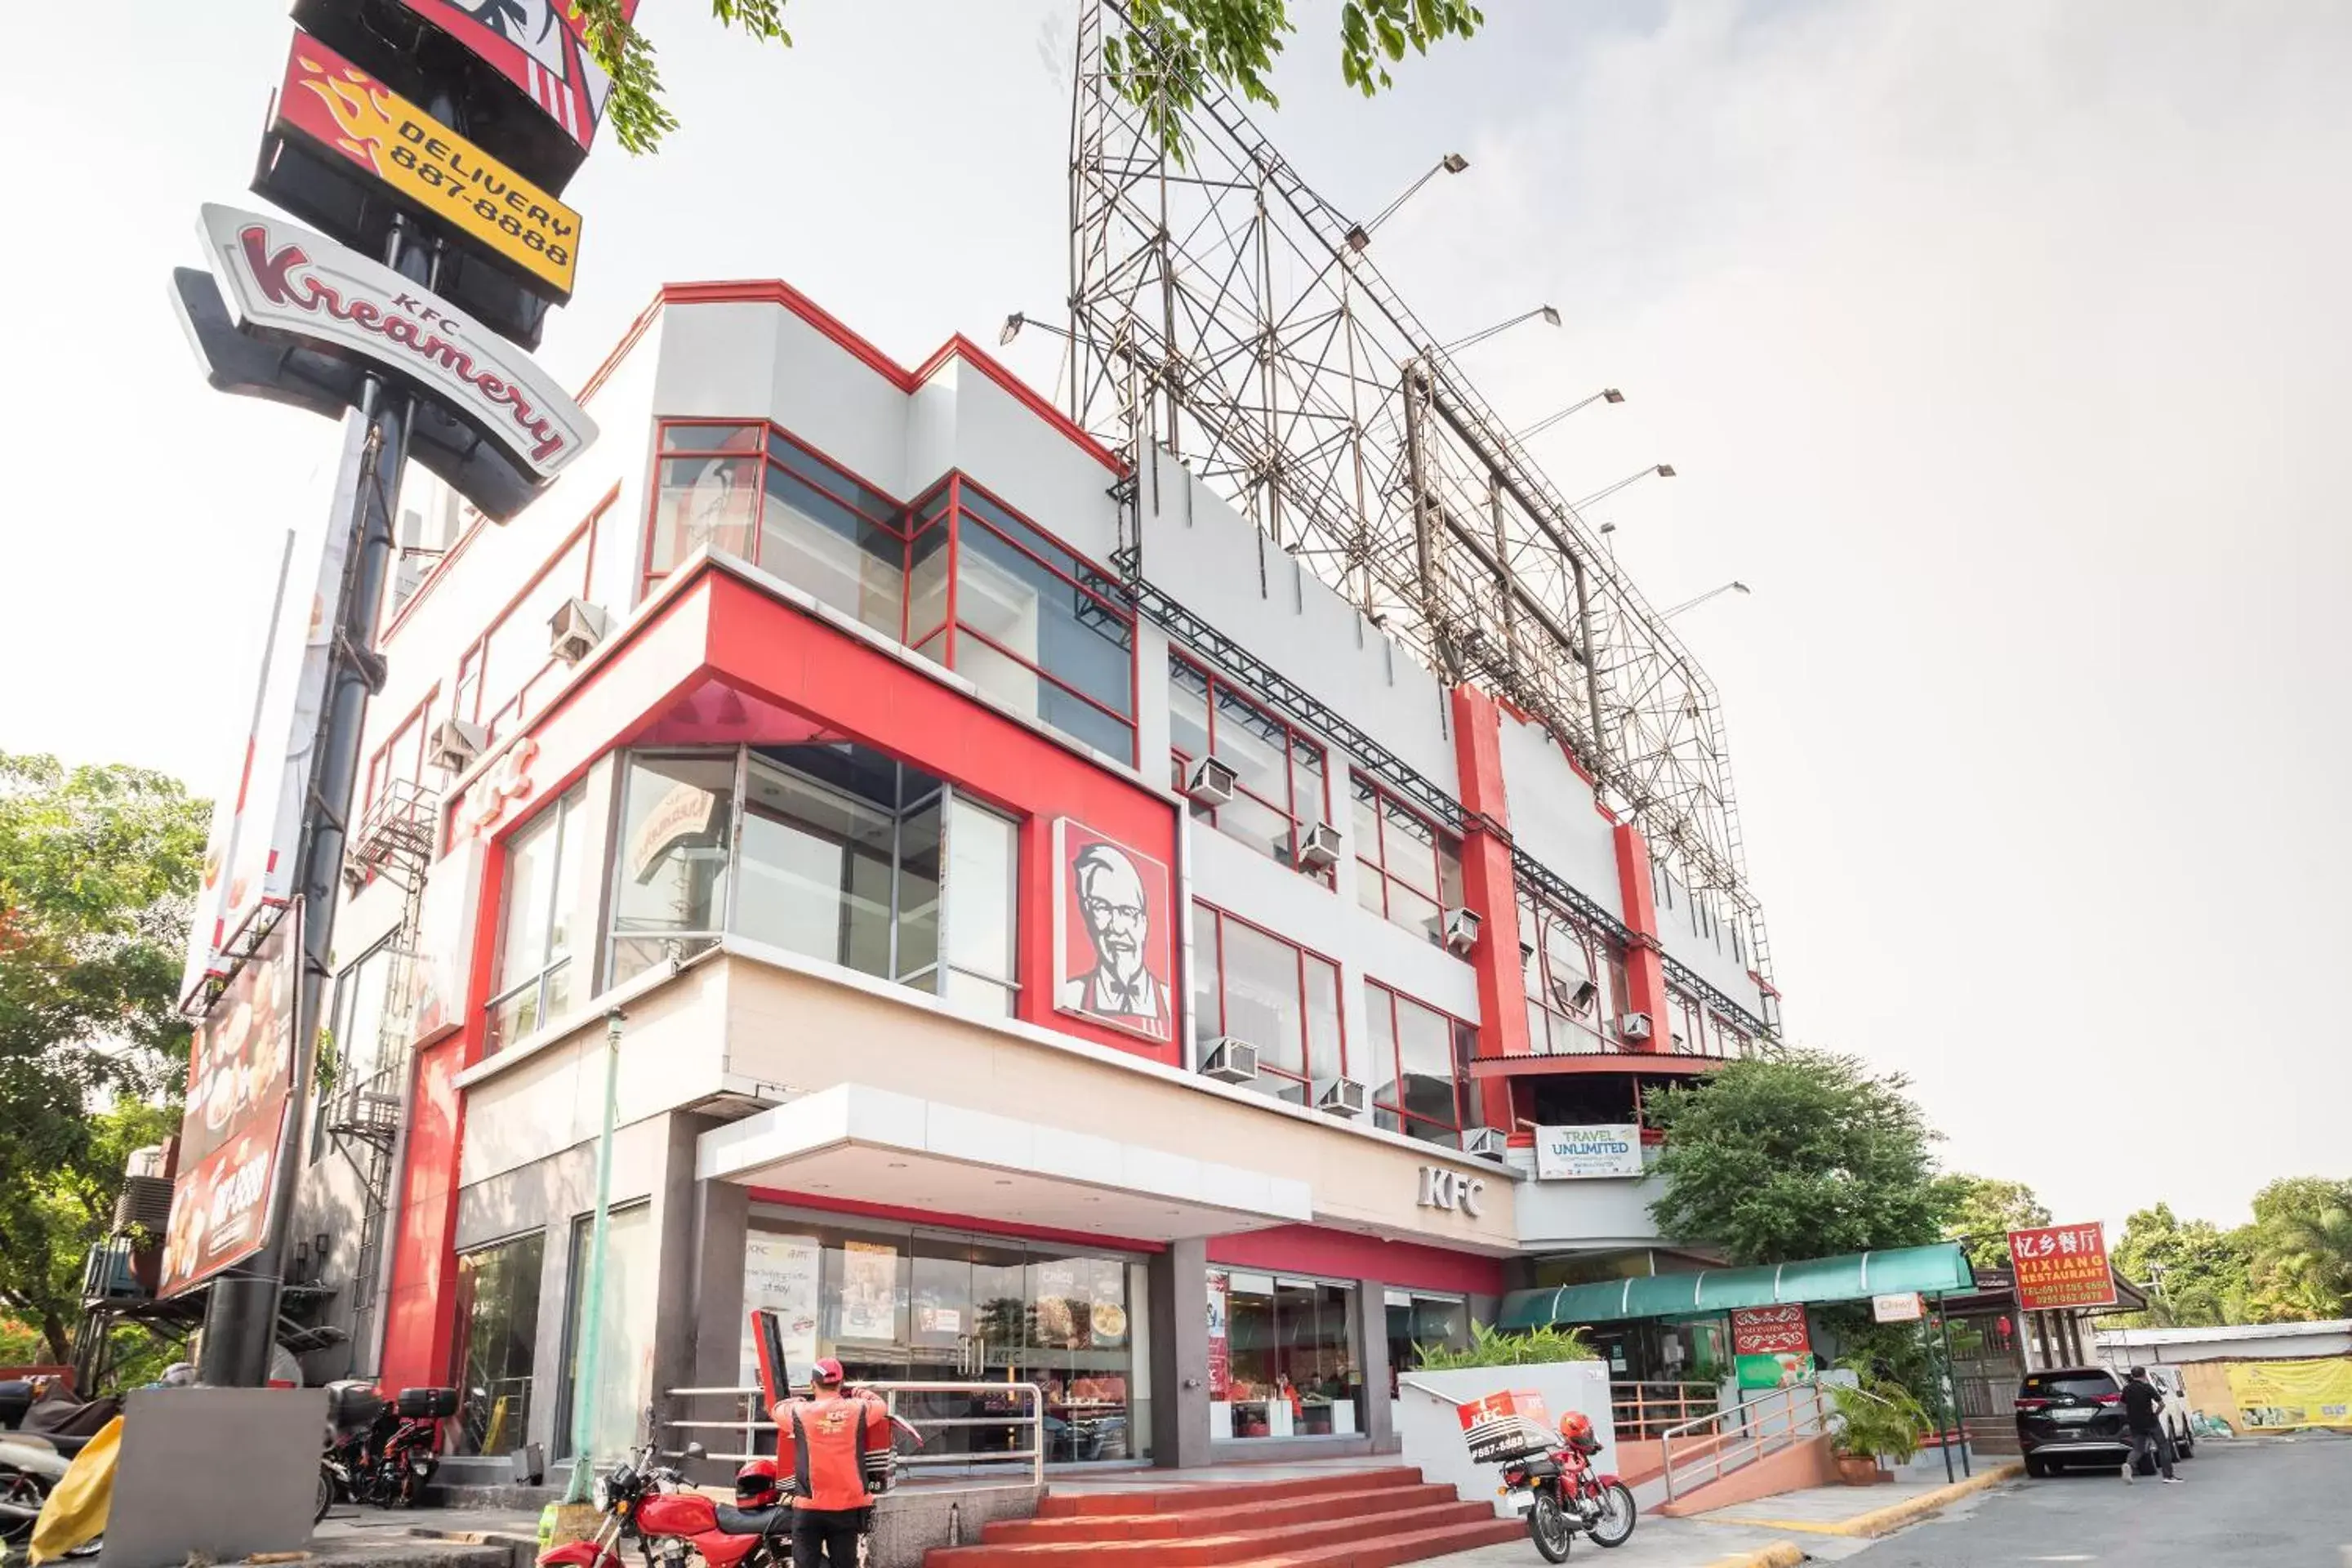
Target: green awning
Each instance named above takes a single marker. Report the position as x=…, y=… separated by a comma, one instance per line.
x=1815, y=1281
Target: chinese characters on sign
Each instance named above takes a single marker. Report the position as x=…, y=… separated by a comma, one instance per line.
x=2060, y=1266
x=1113, y=925
x=1771, y=1346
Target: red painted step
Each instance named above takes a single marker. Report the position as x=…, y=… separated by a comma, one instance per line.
x=1361, y=1519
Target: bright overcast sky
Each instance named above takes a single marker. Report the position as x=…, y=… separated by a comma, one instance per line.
x=1995, y=344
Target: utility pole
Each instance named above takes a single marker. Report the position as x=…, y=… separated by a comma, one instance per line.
x=241, y=1314
x=592, y=1307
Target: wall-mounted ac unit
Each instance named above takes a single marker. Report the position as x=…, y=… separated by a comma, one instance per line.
x=1341, y=1097
x=1576, y=996
x=1485, y=1142
x=1634, y=1026
x=1229, y=1060
x=574, y=629
x=1317, y=846
x=456, y=745
x=1210, y=782
x=1460, y=930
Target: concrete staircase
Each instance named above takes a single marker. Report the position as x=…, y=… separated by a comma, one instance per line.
x=1354, y=1518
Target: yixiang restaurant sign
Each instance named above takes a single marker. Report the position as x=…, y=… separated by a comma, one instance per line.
x=286, y=283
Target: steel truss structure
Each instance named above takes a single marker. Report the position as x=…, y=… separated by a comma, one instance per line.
x=1222, y=310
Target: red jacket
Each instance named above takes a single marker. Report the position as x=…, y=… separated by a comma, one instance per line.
x=837, y=1449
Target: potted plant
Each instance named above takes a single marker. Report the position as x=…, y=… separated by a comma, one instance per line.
x=1877, y=1420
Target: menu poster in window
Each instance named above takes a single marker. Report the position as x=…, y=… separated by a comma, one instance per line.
x=870, y=1291
x=1221, y=1350
x=1106, y=1311
x=1058, y=1324
x=240, y=1064
x=1114, y=925
x=780, y=1273
x=1772, y=1347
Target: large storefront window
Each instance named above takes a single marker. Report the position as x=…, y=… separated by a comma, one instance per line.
x=1417, y=1323
x=1408, y=869
x=959, y=577
x=625, y=1333
x=913, y=1303
x=1279, y=785
x=1419, y=1067
x=498, y=1303
x=534, y=983
x=1576, y=982
x=839, y=857
x=1283, y=1357
x=1283, y=1000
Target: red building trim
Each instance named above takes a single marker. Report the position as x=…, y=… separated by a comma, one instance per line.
x=1645, y=962
x=892, y=1211
x=1490, y=886
x=1345, y=1255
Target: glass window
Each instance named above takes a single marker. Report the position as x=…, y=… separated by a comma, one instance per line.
x=1408, y=869
x=1280, y=789
x=498, y=1303
x=356, y=1034
x=813, y=542
x=1420, y=1323
x=1293, y=1367
x=926, y=585
x=1039, y=631
x=625, y=1333
x=1576, y=983
x=1420, y=1068
x=817, y=870
x=1284, y=1001
x=671, y=860
x=983, y=872
x=532, y=982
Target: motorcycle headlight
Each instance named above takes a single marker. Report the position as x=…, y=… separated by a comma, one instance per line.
x=603, y=1495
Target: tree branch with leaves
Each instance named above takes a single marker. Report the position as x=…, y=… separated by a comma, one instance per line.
x=1164, y=58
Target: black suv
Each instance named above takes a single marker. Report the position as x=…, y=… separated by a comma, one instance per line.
x=2073, y=1414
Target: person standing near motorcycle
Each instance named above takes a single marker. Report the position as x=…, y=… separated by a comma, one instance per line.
x=837, y=1443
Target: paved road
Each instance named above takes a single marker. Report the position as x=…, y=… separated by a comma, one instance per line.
x=2278, y=1503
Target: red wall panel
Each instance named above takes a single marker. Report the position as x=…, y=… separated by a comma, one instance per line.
x=1345, y=1255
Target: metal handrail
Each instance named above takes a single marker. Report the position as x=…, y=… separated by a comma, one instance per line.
x=1750, y=1414
x=1636, y=1411
x=751, y=1423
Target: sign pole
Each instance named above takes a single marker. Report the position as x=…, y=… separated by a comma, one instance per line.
x=241, y=1315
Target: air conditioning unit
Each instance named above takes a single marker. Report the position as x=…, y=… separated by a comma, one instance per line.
x=1634, y=1026
x=573, y=630
x=1485, y=1142
x=456, y=745
x=1460, y=930
x=1210, y=782
x=1575, y=995
x=1317, y=848
x=1229, y=1060
x=1341, y=1097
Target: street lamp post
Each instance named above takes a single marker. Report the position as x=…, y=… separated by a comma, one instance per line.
x=1734, y=587
x=1360, y=235
x=1663, y=470
x=1551, y=319
x=1606, y=395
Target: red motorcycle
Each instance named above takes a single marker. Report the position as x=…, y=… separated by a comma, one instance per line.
x=1562, y=1494
x=652, y=1504
x=381, y=1452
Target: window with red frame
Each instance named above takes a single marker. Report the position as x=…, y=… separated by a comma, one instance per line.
x=511, y=668
x=1576, y=982
x=1255, y=986
x=401, y=759
x=751, y=491
x=1408, y=869
x=1700, y=1031
x=1419, y=1067
x=1279, y=777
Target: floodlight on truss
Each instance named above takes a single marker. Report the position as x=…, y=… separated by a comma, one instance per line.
x=1220, y=311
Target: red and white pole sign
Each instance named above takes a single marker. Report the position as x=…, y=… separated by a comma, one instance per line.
x=2061, y=1267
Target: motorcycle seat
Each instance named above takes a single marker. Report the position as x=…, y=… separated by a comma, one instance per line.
x=734, y=1521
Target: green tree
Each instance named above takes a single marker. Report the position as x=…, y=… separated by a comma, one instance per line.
x=1169, y=52
x=98, y=866
x=1798, y=1155
x=2193, y=1272
x=1981, y=1211
x=2301, y=1263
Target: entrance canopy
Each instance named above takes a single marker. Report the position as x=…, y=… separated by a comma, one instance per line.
x=1815, y=1281
x=877, y=1146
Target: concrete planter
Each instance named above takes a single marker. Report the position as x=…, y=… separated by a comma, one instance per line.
x=1431, y=1433
x=1862, y=1470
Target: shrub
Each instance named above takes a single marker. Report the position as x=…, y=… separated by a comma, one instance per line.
x=1881, y=1418
x=1492, y=1347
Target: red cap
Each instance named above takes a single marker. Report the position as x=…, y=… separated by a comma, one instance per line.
x=826, y=1371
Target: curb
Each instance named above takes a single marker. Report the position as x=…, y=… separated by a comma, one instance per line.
x=1774, y=1554
x=1885, y=1521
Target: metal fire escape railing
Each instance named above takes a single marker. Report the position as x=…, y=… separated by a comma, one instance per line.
x=366, y=1113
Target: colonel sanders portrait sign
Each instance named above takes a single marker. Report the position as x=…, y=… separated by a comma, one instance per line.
x=1114, y=929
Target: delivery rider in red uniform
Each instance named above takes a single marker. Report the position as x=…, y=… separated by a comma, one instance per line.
x=836, y=1448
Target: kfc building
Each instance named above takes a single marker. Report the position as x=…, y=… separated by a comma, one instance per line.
x=1049, y=935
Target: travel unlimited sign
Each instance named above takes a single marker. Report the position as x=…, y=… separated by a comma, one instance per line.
x=285, y=282
x=380, y=139
x=1582, y=1153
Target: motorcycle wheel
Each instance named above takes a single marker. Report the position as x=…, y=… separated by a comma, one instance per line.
x=326, y=1495
x=1549, y=1525
x=1615, y=1525
x=24, y=1491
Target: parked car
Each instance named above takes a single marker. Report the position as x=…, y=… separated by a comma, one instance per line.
x=2071, y=1416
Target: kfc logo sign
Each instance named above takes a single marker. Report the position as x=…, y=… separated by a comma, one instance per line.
x=1444, y=1189
x=1113, y=918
